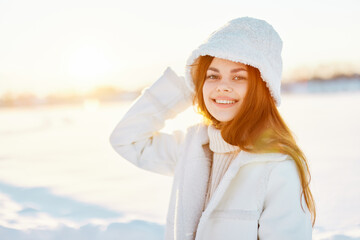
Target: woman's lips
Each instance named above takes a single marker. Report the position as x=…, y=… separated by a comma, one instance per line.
x=224, y=102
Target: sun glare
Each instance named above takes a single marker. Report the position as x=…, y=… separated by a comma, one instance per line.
x=88, y=65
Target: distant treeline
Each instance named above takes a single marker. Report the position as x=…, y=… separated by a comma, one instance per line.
x=112, y=94
x=338, y=83
x=102, y=94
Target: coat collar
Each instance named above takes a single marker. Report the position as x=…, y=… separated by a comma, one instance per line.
x=246, y=157
x=242, y=159
x=196, y=177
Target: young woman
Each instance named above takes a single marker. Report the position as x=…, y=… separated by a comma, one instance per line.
x=240, y=174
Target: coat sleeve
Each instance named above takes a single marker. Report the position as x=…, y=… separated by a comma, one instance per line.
x=137, y=136
x=282, y=217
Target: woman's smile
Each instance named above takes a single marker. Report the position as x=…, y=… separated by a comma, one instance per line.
x=224, y=102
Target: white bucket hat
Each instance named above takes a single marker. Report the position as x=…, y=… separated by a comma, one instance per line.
x=247, y=40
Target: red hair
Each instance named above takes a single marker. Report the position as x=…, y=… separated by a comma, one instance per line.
x=258, y=126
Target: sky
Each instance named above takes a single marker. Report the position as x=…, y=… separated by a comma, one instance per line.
x=51, y=46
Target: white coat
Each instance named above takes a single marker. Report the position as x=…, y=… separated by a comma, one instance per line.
x=258, y=197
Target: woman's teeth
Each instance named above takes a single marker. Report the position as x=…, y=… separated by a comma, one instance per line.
x=224, y=101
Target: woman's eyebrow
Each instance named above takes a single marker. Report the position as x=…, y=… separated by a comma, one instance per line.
x=238, y=70
x=213, y=69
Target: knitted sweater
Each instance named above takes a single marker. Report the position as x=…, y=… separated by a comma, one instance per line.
x=223, y=154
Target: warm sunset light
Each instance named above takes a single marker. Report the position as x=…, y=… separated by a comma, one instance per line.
x=71, y=70
x=88, y=65
x=50, y=45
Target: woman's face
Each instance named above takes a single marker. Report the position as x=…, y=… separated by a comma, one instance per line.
x=224, y=88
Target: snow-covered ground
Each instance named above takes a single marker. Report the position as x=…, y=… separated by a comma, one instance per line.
x=60, y=178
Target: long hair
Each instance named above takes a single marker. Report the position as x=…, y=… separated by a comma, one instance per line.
x=258, y=126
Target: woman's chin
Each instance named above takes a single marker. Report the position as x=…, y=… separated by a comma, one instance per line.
x=223, y=119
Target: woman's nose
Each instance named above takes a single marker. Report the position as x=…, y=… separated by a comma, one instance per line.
x=223, y=87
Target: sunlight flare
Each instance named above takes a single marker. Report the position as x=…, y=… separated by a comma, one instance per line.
x=88, y=65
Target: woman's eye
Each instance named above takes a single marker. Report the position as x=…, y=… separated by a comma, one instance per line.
x=239, y=78
x=211, y=77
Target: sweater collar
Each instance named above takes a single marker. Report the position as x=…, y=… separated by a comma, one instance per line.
x=217, y=143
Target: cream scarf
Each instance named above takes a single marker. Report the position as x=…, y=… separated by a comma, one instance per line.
x=223, y=154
